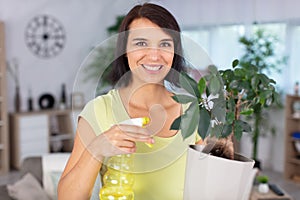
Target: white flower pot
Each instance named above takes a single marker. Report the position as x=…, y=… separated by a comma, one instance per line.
x=209, y=177
x=263, y=188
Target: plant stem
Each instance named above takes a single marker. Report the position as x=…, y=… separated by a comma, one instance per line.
x=257, y=116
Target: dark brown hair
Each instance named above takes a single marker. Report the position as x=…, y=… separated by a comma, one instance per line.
x=161, y=17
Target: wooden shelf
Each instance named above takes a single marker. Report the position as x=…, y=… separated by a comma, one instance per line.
x=32, y=133
x=4, y=144
x=293, y=118
x=61, y=136
x=45, y=111
x=294, y=161
x=292, y=124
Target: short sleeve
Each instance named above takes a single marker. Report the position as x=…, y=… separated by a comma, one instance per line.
x=94, y=113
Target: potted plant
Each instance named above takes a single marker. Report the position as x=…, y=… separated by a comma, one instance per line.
x=263, y=186
x=218, y=103
x=260, y=51
x=220, y=99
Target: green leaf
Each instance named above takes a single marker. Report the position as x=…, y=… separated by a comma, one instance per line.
x=263, y=78
x=189, y=120
x=183, y=99
x=176, y=124
x=227, y=76
x=247, y=111
x=254, y=82
x=227, y=130
x=240, y=127
x=213, y=69
x=214, y=85
x=189, y=84
x=216, y=131
x=235, y=63
x=240, y=72
x=202, y=85
x=234, y=84
x=246, y=126
x=238, y=130
x=230, y=117
x=204, y=123
x=266, y=94
x=219, y=109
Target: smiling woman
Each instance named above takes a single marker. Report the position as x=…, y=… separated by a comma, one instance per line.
x=148, y=53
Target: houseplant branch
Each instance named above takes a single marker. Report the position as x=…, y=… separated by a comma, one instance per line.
x=220, y=99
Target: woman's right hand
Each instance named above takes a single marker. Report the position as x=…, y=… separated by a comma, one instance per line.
x=119, y=139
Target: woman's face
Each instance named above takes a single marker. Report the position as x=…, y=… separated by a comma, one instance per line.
x=150, y=51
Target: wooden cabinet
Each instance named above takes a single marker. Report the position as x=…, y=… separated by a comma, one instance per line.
x=4, y=149
x=292, y=124
x=38, y=133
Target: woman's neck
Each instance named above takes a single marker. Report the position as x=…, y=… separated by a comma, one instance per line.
x=154, y=101
x=144, y=96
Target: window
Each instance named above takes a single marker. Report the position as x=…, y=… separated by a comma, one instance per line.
x=294, y=59
x=222, y=45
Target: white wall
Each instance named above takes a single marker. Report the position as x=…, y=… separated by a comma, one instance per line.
x=85, y=23
x=195, y=12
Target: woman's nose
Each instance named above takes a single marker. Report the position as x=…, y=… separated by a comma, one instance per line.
x=153, y=53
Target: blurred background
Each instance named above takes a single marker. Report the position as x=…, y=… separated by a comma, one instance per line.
x=55, y=69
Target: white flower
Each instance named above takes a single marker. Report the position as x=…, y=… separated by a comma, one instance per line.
x=214, y=122
x=207, y=101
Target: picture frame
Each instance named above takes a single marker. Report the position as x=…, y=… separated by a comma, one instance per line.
x=77, y=100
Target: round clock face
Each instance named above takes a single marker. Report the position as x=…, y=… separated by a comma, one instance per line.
x=45, y=36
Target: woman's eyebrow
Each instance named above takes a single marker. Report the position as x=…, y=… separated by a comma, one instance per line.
x=167, y=40
x=139, y=39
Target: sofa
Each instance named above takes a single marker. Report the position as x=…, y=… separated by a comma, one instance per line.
x=39, y=176
x=31, y=165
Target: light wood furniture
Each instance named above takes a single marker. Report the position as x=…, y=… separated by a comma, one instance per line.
x=39, y=132
x=292, y=124
x=4, y=148
x=255, y=195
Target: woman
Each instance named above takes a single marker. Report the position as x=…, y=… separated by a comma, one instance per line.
x=149, y=52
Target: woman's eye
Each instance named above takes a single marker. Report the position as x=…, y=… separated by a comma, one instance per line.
x=166, y=44
x=141, y=44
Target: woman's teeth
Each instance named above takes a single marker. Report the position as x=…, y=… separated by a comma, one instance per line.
x=152, y=68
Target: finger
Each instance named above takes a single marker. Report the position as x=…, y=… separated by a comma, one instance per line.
x=125, y=150
x=137, y=137
x=132, y=129
x=126, y=144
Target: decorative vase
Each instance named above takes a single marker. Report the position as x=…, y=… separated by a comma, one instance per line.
x=17, y=99
x=263, y=188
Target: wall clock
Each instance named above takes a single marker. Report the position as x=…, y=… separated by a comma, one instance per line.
x=45, y=36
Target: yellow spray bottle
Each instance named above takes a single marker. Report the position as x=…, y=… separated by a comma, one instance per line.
x=118, y=179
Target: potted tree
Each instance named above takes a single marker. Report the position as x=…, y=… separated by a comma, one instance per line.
x=217, y=104
x=220, y=99
x=260, y=51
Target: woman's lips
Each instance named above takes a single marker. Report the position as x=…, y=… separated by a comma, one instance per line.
x=152, y=68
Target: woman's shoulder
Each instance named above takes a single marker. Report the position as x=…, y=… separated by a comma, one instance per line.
x=97, y=111
x=101, y=100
